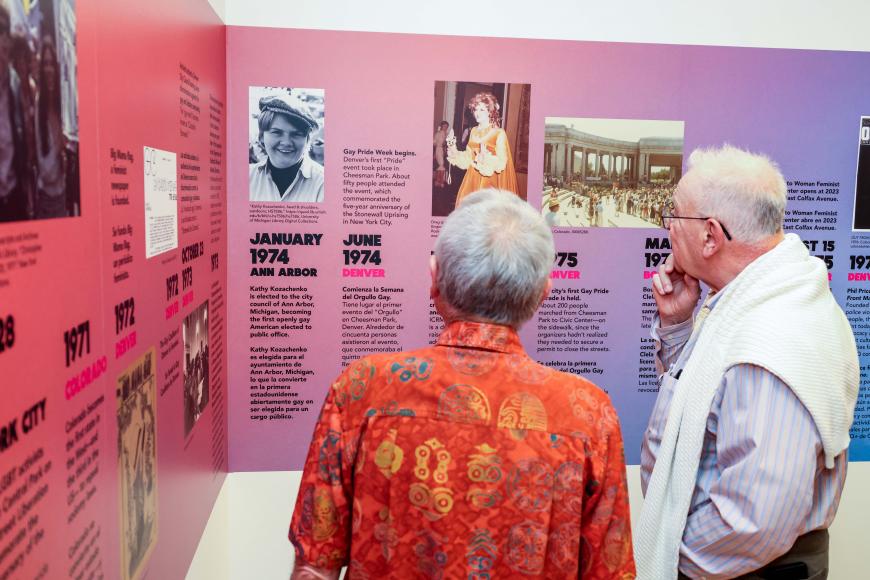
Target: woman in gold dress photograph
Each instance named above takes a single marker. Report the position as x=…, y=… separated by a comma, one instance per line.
x=487, y=156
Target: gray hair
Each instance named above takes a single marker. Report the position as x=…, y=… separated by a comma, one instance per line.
x=494, y=256
x=744, y=191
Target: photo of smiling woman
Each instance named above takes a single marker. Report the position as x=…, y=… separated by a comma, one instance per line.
x=285, y=149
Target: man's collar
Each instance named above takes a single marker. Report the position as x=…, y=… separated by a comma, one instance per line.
x=482, y=335
x=712, y=298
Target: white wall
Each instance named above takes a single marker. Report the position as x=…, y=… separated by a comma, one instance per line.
x=829, y=24
x=220, y=8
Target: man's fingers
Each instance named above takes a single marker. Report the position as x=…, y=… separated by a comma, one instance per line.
x=666, y=284
x=657, y=284
x=662, y=285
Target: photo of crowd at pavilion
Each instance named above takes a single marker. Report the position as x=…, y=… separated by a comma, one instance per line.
x=610, y=172
x=39, y=133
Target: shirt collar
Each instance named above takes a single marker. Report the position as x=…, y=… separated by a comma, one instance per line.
x=304, y=169
x=482, y=335
x=712, y=298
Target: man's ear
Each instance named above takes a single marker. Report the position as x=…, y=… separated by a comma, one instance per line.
x=433, y=272
x=547, y=287
x=714, y=238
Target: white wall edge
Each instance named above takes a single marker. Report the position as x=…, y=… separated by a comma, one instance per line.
x=807, y=24
x=220, y=8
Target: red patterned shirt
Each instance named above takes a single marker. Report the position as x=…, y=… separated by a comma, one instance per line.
x=465, y=460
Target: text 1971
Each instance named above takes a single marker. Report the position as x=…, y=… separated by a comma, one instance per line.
x=78, y=342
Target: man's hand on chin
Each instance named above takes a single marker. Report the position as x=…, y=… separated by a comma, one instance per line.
x=676, y=293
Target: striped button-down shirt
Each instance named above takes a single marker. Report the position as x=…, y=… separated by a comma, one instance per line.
x=761, y=479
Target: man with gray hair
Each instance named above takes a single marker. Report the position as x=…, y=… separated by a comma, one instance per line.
x=744, y=458
x=467, y=458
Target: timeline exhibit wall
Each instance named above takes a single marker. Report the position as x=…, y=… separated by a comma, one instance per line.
x=155, y=332
x=602, y=128
x=112, y=410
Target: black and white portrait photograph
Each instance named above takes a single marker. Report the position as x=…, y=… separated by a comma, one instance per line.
x=39, y=124
x=285, y=144
x=194, y=334
x=611, y=173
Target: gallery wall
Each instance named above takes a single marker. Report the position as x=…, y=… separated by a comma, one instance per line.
x=112, y=288
x=777, y=24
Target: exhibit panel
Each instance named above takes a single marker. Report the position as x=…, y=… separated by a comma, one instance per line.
x=595, y=135
x=113, y=437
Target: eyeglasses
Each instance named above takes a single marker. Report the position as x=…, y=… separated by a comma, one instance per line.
x=667, y=217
